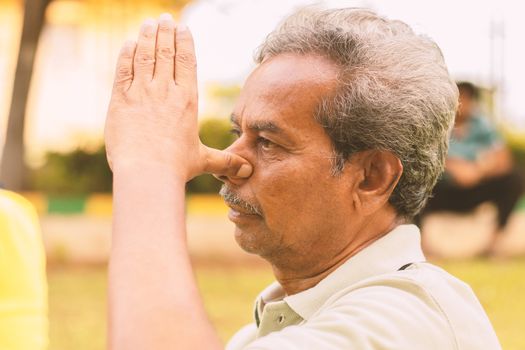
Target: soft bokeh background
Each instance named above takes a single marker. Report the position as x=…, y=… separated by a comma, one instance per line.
x=65, y=176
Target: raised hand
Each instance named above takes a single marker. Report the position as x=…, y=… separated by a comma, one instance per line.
x=152, y=116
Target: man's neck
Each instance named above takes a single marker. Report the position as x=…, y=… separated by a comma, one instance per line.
x=295, y=280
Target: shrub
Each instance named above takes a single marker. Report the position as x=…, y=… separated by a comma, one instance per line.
x=81, y=172
x=75, y=172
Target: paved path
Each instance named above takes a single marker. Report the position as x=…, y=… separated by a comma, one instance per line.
x=452, y=235
x=85, y=239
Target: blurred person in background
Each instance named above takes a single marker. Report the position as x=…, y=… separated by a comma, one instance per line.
x=479, y=166
x=23, y=285
x=342, y=133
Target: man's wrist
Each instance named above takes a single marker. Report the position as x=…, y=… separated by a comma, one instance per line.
x=142, y=169
x=149, y=193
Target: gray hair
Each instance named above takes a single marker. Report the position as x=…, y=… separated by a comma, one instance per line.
x=394, y=92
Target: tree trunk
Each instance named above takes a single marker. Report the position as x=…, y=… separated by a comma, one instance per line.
x=13, y=168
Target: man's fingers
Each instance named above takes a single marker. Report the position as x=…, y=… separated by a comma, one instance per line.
x=165, y=51
x=144, y=62
x=185, y=62
x=124, y=71
x=224, y=163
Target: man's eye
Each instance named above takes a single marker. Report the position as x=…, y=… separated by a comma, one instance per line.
x=235, y=132
x=265, y=143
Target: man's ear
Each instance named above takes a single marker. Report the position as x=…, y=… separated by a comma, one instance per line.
x=379, y=174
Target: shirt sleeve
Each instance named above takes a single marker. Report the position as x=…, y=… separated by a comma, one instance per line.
x=377, y=317
x=482, y=135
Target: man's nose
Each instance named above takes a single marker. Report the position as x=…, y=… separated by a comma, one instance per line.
x=237, y=148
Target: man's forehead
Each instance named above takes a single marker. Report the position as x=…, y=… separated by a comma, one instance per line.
x=284, y=86
x=292, y=70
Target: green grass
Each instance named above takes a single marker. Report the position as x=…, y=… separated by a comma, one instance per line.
x=77, y=302
x=77, y=308
x=500, y=287
x=78, y=299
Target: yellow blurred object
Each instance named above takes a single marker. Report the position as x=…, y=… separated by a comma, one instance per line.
x=23, y=285
x=206, y=204
x=99, y=205
x=38, y=200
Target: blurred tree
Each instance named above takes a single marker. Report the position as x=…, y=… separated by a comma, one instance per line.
x=220, y=98
x=80, y=171
x=73, y=173
x=13, y=169
x=227, y=93
x=216, y=133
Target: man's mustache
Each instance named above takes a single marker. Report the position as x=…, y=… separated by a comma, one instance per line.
x=231, y=198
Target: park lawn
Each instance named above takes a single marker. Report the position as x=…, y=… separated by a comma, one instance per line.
x=499, y=286
x=77, y=298
x=77, y=302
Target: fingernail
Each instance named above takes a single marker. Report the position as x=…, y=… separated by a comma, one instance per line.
x=149, y=22
x=166, y=17
x=182, y=27
x=244, y=171
x=128, y=47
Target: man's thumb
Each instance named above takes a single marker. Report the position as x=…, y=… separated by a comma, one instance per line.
x=223, y=163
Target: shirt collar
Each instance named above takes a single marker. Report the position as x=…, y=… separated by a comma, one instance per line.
x=389, y=253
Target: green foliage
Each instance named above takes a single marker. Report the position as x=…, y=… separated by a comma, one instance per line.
x=76, y=172
x=227, y=93
x=81, y=172
x=214, y=132
x=516, y=143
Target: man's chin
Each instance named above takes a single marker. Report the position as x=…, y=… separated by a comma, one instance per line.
x=247, y=241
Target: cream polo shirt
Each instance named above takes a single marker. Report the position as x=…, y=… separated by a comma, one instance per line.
x=373, y=301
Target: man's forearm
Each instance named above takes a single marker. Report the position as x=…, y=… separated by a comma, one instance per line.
x=153, y=148
x=154, y=301
x=495, y=162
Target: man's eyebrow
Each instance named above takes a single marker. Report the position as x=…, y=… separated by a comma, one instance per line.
x=258, y=125
x=234, y=119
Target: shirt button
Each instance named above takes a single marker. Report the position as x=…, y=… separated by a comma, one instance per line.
x=281, y=318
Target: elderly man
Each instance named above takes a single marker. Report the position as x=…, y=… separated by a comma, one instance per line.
x=342, y=132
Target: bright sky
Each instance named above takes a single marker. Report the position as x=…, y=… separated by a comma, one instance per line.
x=76, y=61
x=228, y=31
